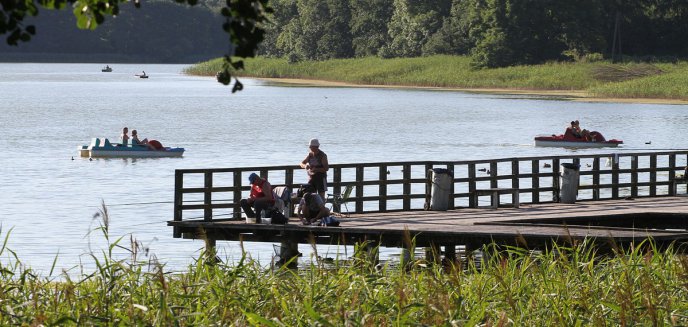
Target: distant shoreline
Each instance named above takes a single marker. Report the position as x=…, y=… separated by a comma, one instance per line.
x=571, y=95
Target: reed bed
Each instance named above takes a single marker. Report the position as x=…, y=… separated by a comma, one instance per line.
x=565, y=286
x=602, y=79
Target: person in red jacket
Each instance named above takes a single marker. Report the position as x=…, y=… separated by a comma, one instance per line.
x=261, y=197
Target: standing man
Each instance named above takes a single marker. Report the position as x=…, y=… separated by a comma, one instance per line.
x=260, y=198
x=317, y=166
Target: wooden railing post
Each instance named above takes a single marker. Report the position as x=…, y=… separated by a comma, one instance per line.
x=515, y=182
x=337, y=187
x=493, y=174
x=556, y=173
x=178, y=200
x=452, y=197
x=236, y=213
x=382, y=189
x=428, y=186
x=615, y=176
x=672, y=173
x=535, y=180
x=653, y=175
x=596, y=178
x=634, y=176
x=207, y=196
x=472, y=197
x=407, y=187
x=359, y=188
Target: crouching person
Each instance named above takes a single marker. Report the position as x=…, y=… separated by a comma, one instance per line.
x=261, y=197
x=312, y=208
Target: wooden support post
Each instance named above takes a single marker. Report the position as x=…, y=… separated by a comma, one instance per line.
x=210, y=249
x=450, y=252
x=289, y=251
x=432, y=254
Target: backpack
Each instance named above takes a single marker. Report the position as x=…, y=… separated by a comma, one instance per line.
x=278, y=218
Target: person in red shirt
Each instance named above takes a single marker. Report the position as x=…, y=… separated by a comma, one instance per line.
x=261, y=197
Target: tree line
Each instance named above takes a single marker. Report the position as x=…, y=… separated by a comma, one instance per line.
x=495, y=33
x=161, y=31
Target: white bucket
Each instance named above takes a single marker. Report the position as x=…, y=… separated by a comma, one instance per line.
x=250, y=220
x=266, y=221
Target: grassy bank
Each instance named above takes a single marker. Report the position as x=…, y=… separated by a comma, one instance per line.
x=564, y=287
x=598, y=79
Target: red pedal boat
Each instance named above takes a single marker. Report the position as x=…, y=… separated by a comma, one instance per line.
x=568, y=139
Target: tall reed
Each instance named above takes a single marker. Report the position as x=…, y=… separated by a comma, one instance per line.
x=567, y=286
x=602, y=79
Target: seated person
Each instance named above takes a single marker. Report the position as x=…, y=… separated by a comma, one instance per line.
x=575, y=129
x=578, y=132
x=312, y=208
x=260, y=198
x=124, y=138
x=135, y=140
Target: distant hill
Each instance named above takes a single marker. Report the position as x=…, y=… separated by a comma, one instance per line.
x=158, y=32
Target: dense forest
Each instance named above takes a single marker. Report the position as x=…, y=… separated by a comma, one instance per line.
x=495, y=33
x=159, y=31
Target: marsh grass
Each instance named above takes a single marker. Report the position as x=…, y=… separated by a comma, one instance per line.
x=602, y=79
x=564, y=286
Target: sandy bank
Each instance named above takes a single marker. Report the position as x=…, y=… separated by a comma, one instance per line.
x=572, y=95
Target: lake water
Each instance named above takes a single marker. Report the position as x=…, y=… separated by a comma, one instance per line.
x=48, y=195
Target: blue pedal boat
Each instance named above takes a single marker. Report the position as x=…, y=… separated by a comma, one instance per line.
x=102, y=148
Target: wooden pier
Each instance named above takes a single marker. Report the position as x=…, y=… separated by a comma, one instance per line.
x=623, y=199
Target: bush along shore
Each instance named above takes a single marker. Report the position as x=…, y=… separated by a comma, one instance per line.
x=565, y=286
x=598, y=79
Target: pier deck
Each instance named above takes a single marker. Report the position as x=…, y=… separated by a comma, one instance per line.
x=665, y=219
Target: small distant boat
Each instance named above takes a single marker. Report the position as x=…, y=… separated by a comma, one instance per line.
x=142, y=75
x=107, y=69
x=102, y=148
x=569, y=140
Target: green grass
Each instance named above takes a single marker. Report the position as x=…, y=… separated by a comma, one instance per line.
x=601, y=79
x=567, y=286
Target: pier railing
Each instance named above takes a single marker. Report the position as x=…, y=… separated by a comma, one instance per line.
x=212, y=194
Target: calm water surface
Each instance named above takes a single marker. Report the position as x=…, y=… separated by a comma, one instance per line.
x=48, y=195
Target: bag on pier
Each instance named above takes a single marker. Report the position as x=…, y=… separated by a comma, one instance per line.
x=278, y=218
x=329, y=221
